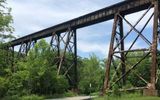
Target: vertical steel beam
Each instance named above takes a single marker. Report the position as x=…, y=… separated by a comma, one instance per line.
x=68, y=39
x=27, y=48
x=122, y=49
x=110, y=55
x=154, y=46
x=58, y=45
x=58, y=49
x=75, y=59
x=19, y=52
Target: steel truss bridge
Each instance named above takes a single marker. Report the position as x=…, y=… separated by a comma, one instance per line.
x=117, y=50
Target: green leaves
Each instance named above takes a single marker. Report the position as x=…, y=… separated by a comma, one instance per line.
x=5, y=22
x=42, y=78
x=3, y=86
x=91, y=73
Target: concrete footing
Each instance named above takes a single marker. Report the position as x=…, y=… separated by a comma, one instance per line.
x=150, y=92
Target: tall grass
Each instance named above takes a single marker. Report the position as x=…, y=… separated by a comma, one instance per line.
x=127, y=96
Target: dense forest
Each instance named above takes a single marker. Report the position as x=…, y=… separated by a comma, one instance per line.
x=35, y=75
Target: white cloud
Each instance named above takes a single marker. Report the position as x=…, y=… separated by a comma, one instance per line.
x=46, y=13
x=90, y=47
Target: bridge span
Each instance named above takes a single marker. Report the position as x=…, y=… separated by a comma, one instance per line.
x=117, y=50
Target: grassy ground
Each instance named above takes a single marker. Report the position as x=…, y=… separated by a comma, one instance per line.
x=127, y=97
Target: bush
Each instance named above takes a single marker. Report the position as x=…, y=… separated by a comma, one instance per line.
x=91, y=75
x=32, y=97
x=116, y=91
x=61, y=85
x=18, y=83
x=3, y=86
x=70, y=94
x=37, y=74
x=13, y=97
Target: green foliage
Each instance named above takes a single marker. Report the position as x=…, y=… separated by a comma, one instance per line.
x=35, y=74
x=91, y=77
x=13, y=97
x=39, y=69
x=66, y=94
x=135, y=96
x=158, y=74
x=25, y=97
x=32, y=97
x=3, y=62
x=143, y=70
x=5, y=30
x=61, y=85
x=5, y=21
x=69, y=94
x=3, y=86
x=116, y=91
x=18, y=83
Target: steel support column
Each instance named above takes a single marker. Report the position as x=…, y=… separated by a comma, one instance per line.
x=122, y=49
x=110, y=55
x=75, y=60
x=68, y=58
x=154, y=46
x=121, y=55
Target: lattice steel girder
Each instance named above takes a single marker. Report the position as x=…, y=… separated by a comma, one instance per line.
x=125, y=7
x=117, y=42
x=25, y=47
x=68, y=54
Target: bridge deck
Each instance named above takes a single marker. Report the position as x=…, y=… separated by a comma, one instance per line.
x=125, y=7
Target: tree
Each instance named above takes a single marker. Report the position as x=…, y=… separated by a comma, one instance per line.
x=39, y=72
x=5, y=21
x=91, y=75
x=141, y=71
x=5, y=34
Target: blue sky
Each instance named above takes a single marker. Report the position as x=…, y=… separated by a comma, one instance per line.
x=34, y=15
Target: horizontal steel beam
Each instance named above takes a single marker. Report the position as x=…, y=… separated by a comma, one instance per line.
x=125, y=7
x=134, y=50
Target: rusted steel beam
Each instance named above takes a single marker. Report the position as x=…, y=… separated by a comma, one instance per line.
x=134, y=50
x=125, y=7
x=154, y=46
x=140, y=32
x=110, y=55
x=131, y=69
x=69, y=36
x=141, y=35
x=134, y=27
x=122, y=49
x=129, y=89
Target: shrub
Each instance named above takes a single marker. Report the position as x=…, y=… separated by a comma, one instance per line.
x=91, y=75
x=116, y=91
x=3, y=86
x=32, y=97
x=13, y=97
x=61, y=85
x=70, y=94
x=18, y=83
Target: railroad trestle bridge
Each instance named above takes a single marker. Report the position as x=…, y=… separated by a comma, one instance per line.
x=117, y=50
